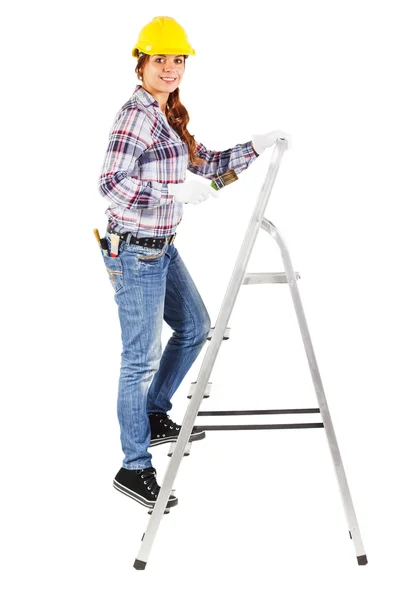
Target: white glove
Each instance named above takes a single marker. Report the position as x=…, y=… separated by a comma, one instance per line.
x=192, y=192
x=260, y=142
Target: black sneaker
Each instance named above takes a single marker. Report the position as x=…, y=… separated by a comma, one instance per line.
x=141, y=485
x=164, y=430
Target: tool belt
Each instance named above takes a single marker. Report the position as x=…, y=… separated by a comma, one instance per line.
x=149, y=242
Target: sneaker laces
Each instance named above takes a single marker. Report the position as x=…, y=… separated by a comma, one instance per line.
x=149, y=479
x=169, y=422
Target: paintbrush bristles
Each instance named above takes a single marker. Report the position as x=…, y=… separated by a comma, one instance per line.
x=224, y=179
x=229, y=177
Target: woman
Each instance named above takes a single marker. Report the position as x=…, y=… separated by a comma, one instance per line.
x=143, y=176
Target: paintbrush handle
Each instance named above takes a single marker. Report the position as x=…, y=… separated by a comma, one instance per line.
x=96, y=234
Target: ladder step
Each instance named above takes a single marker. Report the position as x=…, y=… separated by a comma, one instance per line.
x=250, y=278
x=207, y=391
x=226, y=334
x=187, y=448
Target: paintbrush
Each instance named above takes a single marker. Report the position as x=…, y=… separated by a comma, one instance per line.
x=224, y=179
x=102, y=242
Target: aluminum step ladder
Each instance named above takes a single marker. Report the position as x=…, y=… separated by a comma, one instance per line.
x=201, y=388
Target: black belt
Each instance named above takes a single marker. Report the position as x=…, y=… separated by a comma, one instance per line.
x=150, y=242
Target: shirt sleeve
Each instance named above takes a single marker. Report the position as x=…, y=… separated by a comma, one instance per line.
x=218, y=162
x=129, y=137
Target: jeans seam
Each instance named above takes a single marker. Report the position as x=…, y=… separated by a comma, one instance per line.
x=187, y=308
x=135, y=469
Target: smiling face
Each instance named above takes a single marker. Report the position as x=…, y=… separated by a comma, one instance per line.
x=163, y=73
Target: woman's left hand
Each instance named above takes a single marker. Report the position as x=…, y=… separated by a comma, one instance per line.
x=260, y=142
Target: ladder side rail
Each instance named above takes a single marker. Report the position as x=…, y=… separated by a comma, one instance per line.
x=209, y=358
x=319, y=390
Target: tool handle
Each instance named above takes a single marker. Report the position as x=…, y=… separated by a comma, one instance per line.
x=102, y=242
x=96, y=235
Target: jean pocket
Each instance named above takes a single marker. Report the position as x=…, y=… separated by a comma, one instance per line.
x=149, y=255
x=114, y=270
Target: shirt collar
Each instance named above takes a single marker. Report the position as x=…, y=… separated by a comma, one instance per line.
x=145, y=97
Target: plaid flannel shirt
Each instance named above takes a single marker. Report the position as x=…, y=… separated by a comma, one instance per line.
x=143, y=156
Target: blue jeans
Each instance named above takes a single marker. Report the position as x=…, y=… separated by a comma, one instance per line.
x=150, y=285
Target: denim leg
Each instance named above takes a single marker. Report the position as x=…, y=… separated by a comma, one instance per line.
x=140, y=309
x=185, y=313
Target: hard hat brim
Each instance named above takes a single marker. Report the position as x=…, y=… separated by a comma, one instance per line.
x=189, y=51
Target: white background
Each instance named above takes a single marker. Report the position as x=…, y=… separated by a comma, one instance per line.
x=259, y=512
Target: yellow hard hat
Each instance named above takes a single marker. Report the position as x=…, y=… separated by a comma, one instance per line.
x=163, y=35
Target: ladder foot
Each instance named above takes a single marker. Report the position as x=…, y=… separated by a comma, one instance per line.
x=362, y=560
x=140, y=565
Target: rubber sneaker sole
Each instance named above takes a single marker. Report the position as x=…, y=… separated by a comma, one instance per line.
x=135, y=496
x=194, y=437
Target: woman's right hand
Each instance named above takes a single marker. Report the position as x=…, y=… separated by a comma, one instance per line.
x=192, y=192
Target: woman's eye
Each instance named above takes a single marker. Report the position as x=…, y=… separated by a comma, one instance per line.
x=177, y=59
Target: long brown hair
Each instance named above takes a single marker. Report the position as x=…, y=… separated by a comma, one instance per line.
x=177, y=116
